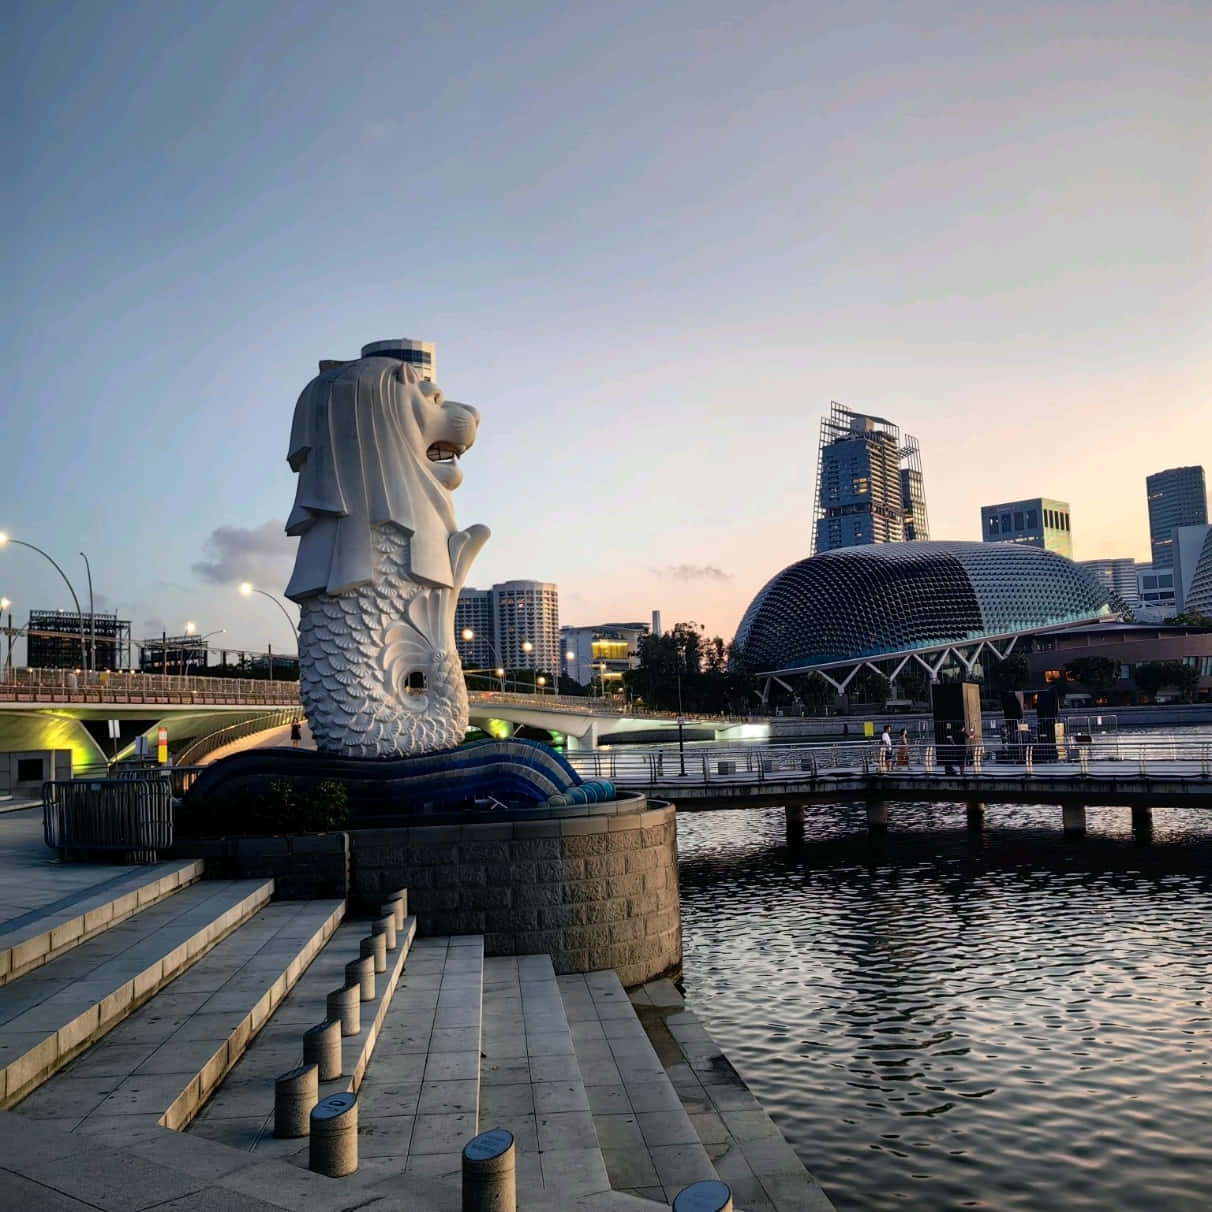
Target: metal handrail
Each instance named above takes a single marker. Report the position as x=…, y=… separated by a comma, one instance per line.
x=653, y=766
x=196, y=750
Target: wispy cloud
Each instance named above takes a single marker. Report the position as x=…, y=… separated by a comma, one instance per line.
x=233, y=554
x=693, y=572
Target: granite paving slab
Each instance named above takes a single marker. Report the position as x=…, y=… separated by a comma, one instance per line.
x=648, y=1142
x=53, y=1013
x=240, y=1112
x=743, y=1142
x=159, y=1065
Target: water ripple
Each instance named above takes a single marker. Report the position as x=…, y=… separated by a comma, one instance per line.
x=946, y=1021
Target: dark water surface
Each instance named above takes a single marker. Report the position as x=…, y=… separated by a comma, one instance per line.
x=950, y=1020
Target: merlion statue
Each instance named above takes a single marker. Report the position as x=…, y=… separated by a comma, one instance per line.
x=380, y=560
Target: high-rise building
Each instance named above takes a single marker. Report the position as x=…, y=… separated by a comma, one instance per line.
x=1038, y=522
x=421, y=354
x=513, y=625
x=1177, y=497
x=1189, y=545
x=869, y=483
x=1118, y=575
x=1198, y=598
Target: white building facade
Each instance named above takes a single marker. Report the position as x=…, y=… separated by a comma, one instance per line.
x=513, y=625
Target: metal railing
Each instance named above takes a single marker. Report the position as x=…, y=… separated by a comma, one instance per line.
x=203, y=746
x=133, y=815
x=70, y=686
x=1118, y=755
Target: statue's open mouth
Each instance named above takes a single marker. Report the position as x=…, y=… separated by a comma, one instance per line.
x=444, y=452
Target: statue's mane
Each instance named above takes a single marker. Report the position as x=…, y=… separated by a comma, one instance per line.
x=362, y=462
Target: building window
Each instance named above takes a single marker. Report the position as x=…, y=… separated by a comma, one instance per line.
x=993, y=524
x=1018, y=520
x=1032, y=519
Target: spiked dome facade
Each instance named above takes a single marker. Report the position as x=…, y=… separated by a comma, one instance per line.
x=883, y=599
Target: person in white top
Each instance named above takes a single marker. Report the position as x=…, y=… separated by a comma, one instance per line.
x=886, y=748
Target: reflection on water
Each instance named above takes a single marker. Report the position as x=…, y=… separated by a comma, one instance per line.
x=945, y=1019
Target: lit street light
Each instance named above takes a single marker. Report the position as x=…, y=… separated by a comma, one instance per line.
x=468, y=634
x=4, y=605
x=4, y=539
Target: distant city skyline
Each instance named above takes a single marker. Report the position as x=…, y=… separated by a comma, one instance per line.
x=649, y=271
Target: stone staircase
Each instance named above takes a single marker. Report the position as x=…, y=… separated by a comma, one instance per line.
x=144, y=1019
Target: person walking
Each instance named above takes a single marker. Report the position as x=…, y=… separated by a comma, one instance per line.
x=902, y=748
x=296, y=733
x=886, y=748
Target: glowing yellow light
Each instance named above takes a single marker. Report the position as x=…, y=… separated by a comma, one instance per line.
x=468, y=634
x=246, y=588
x=3, y=538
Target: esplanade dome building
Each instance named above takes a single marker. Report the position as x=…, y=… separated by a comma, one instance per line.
x=884, y=598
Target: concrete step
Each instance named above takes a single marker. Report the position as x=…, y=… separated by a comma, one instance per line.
x=745, y=1145
x=164, y=1061
x=52, y=1014
x=649, y=1145
x=45, y=931
x=532, y=1085
x=419, y=1102
x=241, y=1111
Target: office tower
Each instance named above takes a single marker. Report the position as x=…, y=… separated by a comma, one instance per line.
x=1177, y=497
x=869, y=484
x=473, y=613
x=513, y=625
x=1189, y=545
x=1038, y=522
x=421, y=354
x=1118, y=575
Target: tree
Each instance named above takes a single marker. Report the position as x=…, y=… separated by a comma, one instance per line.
x=868, y=686
x=711, y=674
x=1191, y=618
x=1011, y=674
x=1154, y=676
x=1097, y=674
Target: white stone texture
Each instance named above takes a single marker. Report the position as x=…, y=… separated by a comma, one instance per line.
x=380, y=560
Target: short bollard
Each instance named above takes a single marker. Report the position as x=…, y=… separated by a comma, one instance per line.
x=490, y=1181
x=710, y=1195
x=386, y=926
x=375, y=945
x=333, y=1147
x=346, y=1005
x=295, y=1093
x=361, y=972
x=322, y=1047
x=398, y=901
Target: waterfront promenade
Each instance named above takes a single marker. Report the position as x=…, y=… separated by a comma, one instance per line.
x=145, y=1012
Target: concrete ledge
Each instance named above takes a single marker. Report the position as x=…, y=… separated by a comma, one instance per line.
x=35, y=1053
x=56, y=931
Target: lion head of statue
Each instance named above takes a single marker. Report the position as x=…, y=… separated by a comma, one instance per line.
x=374, y=444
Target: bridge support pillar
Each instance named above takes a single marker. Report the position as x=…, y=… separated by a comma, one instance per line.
x=794, y=815
x=1142, y=824
x=1073, y=819
x=877, y=816
x=588, y=740
x=976, y=816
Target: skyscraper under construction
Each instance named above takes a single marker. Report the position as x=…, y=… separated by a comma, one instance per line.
x=869, y=483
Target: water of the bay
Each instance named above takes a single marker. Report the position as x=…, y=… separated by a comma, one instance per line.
x=946, y=1018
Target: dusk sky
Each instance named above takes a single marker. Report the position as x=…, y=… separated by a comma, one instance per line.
x=651, y=241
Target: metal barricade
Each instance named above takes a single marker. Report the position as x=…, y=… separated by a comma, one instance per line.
x=131, y=815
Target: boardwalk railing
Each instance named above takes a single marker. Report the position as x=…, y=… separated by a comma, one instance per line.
x=69, y=686
x=746, y=765
x=132, y=815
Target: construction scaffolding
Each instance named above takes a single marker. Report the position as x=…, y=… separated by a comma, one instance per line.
x=869, y=483
x=60, y=639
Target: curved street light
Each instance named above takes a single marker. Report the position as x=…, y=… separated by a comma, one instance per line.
x=247, y=589
x=468, y=634
x=5, y=538
x=190, y=628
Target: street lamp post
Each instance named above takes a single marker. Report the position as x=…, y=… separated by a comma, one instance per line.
x=247, y=589
x=8, y=663
x=468, y=634
x=92, y=617
x=4, y=538
x=681, y=723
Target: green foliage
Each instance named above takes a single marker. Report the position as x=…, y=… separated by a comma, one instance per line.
x=280, y=806
x=1191, y=618
x=1097, y=674
x=711, y=676
x=1011, y=674
x=1154, y=676
x=868, y=686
